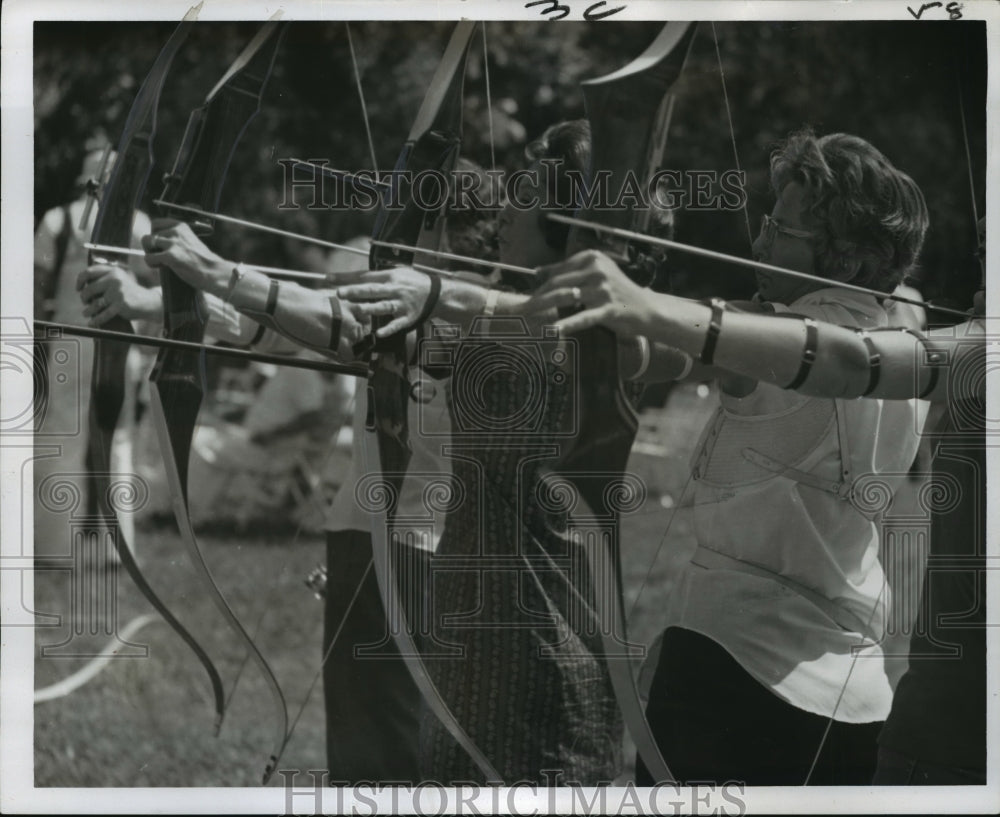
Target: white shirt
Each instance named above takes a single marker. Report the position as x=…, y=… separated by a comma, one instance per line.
x=799, y=561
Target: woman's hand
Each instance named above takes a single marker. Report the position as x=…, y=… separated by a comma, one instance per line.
x=173, y=244
x=108, y=290
x=399, y=292
x=606, y=295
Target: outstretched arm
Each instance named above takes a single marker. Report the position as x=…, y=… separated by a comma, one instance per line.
x=814, y=357
x=402, y=294
x=312, y=318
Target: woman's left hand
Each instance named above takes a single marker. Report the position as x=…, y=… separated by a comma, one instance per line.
x=399, y=292
x=605, y=295
x=173, y=244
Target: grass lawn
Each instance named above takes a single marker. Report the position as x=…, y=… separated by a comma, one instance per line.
x=148, y=720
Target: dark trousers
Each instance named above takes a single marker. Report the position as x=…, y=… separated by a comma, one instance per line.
x=372, y=704
x=895, y=769
x=713, y=721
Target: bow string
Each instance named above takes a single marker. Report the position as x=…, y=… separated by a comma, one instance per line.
x=433, y=143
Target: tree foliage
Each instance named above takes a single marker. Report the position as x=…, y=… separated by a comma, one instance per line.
x=904, y=87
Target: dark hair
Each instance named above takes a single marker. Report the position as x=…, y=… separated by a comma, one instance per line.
x=569, y=143
x=872, y=216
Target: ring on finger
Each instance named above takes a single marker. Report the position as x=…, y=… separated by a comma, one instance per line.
x=577, y=295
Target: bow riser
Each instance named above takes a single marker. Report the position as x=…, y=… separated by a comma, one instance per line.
x=214, y=130
x=629, y=114
x=210, y=140
x=434, y=143
x=197, y=177
x=437, y=150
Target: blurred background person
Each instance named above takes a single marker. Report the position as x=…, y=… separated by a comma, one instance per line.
x=62, y=435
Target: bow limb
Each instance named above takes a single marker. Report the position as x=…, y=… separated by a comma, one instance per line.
x=629, y=116
x=433, y=144
x=113, y=227
x=178, y=377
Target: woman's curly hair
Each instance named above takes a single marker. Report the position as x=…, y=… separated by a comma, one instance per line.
x=872, y=216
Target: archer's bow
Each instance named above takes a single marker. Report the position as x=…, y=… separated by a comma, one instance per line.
x=178, y=377
x=113, y=227
x=433, y=144
x=629, y=116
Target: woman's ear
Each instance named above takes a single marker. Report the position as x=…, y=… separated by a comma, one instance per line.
x=843, y=263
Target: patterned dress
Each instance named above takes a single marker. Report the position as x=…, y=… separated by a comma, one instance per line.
x=515, y=647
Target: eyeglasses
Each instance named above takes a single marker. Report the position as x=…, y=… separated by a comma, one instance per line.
x=769, y=228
